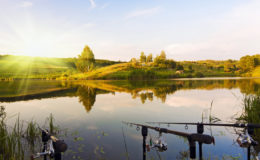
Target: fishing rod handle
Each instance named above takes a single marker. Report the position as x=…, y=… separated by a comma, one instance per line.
x=202, y=138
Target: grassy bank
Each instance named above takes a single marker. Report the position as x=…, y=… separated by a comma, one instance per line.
x=132, y=72
x=24, y=67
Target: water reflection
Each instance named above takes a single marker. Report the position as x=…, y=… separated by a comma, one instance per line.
x=96, y=106
x=87, y=96
x=86, y=91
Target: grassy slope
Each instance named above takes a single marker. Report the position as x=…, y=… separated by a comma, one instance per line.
x=34, y=67
x=256, y=72
x=123, y=71
x=38, y=67
x=117, y=70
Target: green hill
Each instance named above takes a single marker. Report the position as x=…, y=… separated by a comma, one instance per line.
x=40, y=67
x=116, y=71
x=21, y=67
x=148, y=71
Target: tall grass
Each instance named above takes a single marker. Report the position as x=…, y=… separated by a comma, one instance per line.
x=53, y=129
x=10, y=142
x=32, y=133
x=141, y=74
x=251, y=112
x=14, y=141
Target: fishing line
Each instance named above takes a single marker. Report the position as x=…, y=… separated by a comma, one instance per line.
x=127, y=153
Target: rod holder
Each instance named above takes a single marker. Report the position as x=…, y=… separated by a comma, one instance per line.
x=200, y=128
x=192, y=146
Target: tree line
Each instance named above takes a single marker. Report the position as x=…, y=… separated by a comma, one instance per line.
x=159, y=61
x=86, y=62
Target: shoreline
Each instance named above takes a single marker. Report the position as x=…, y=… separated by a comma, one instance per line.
x=65, y=91
x=192, y=78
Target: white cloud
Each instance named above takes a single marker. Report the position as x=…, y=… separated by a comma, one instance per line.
x=92, y=3
x=26, y=4
x=144, y=12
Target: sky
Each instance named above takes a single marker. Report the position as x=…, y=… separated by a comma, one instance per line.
x=120, y=29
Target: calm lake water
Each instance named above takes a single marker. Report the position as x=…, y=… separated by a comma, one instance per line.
x=93, y=112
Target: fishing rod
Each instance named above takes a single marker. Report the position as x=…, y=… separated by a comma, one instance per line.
x=237, y=125
x=192, y=138
x=244, y=140
x=207, y=139
x=52, y=146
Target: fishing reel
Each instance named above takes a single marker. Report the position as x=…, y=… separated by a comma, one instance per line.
x=52, y=147
x=245, y=141
x=158, y=143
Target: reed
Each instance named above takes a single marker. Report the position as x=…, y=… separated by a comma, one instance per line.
x=32, y=133
x=10, y=142
x=16, y=141
x=251, y=112
x=53, y=128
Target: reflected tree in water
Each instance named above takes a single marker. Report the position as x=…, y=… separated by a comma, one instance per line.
x=150, y=96
x=162, y=92
x=143, y=97
x=87, y=96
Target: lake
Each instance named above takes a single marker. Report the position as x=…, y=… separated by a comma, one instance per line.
x=92, y=113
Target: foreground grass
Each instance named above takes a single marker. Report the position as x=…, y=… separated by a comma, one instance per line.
x=251, y=114
x=22, y=139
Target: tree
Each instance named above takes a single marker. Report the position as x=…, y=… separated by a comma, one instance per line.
x=149, y=58
x=142, y=57
x=160, y=60
x=134, y=62
x=157, y=60
x=229, y=66
x=86, y=60
x=170, y=64
x=163, y=55
x=190, y=67
x=180, y=67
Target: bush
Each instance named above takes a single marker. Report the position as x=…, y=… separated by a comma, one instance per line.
x=179, y=67
x=189, y=76
x=199, y=74
x=140, y=74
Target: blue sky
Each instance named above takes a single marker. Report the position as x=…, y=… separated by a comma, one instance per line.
x=120, y=30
